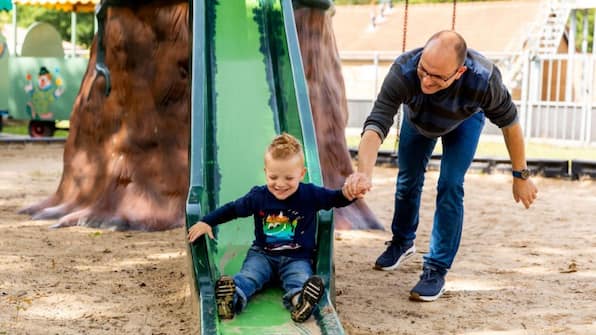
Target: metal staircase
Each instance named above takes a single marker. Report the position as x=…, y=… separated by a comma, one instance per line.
x=543, y=38
x=549, y=35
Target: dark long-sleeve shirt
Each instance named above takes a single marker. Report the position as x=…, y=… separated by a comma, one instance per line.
x=286, y=226
x=480, y=88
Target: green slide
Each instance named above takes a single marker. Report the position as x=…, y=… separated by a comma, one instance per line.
x=247, y=86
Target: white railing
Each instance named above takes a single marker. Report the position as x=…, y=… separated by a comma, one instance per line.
x=555, y=98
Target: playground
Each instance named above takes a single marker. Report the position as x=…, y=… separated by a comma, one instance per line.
x=518, y=271
x=146, y=159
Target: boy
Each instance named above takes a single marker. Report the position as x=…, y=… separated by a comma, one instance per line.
x=284, y=212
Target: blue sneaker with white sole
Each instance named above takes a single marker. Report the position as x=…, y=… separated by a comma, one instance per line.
x=394, y=255
x=431, y=285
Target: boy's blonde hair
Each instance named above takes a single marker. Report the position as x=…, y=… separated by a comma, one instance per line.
x=285, y=146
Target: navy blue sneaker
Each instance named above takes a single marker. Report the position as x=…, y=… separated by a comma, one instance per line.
x=431, y=285
x=394, y=255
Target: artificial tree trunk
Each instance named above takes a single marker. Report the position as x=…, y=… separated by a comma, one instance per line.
x=126, y=155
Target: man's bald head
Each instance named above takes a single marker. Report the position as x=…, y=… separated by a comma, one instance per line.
x=448, y=42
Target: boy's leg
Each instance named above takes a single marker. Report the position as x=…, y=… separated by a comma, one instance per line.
x=302, y=290
x=293, y=273
x=256, y=271
x=225, y=290
x=308, y=299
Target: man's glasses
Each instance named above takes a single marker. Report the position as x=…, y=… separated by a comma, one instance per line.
x=435, y=77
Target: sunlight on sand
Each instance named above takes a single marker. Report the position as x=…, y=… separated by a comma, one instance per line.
x=167, y=255
x=8, y=262
x=543, y=250
x=498, y=332
x=65, y=306
x=473, y=285
x=357, y=235
x=586, y=274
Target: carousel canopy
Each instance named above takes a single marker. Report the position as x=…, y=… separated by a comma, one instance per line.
x=5, y=5
x=81, y=6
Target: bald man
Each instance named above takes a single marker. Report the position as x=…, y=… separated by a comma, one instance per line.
x=446, y=90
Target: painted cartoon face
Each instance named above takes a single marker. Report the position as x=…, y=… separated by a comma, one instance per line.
x=44, y=81
x=283, y=175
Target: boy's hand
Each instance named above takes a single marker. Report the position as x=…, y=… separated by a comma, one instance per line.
x=356, y=186
x=199, y=229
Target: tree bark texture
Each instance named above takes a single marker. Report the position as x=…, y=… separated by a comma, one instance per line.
x=126, y=155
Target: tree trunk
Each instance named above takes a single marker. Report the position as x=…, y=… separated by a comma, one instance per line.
x=329, y=106
x=126, y=156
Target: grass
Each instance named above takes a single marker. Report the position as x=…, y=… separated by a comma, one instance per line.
x=497, y=149
x=492, y=147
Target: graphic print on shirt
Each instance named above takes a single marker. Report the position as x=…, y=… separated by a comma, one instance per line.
x=279, y=231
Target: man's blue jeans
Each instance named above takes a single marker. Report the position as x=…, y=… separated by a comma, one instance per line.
x=459, y=147
x=260, y=268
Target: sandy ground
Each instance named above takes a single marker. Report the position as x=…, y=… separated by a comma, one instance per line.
x=518, y=271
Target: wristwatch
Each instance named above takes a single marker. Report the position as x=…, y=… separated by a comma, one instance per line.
x=521, y=174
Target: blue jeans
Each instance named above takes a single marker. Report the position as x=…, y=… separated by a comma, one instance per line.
x=459, y=147
x=260, y=268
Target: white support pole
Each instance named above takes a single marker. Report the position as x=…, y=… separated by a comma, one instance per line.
x=591, y=83
x=376, y=76
x=73, y=33
x=585, y=32
x=594, y=39
x=14, y=28
x=525, y=86
x=570, y=53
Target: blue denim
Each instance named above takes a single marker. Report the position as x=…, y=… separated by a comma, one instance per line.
x=459, y=147
x=259, y=268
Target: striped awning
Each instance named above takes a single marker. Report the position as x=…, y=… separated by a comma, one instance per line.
x=81, y=6
x=5, y=5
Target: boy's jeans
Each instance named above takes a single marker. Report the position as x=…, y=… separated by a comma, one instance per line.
x=459, y=147
x=260, y=268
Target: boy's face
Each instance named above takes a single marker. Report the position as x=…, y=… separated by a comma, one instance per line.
x=283, y=175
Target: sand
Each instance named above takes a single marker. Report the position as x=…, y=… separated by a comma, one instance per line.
x=518, y=271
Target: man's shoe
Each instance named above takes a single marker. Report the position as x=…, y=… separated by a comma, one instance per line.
x=311, y=294
x=431, y=285
x=394, y=255
x=225, y=288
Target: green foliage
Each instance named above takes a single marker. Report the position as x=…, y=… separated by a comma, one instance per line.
x=580, y=29
x=398, y=2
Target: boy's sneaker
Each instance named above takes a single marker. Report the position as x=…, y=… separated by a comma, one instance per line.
x=311, y=294
x=431, y=285
x=225, y=288
x=394, y=255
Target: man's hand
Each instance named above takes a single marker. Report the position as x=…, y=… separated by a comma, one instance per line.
x=356, y=185
x=199, y=229
x=524, y=191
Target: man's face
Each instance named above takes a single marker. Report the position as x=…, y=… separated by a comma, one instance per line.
x=437, y=72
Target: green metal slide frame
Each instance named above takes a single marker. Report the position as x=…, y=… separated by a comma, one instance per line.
x=248, y=84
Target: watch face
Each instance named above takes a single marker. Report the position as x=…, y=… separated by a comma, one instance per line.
x=525, y=174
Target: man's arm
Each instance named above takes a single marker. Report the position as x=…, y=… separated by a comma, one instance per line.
x=523, y=190
x=361, y=181
x=368, y=151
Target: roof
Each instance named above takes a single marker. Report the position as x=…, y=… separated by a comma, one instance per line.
x=491, y=26
x=5, y=5
x=84, y=6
